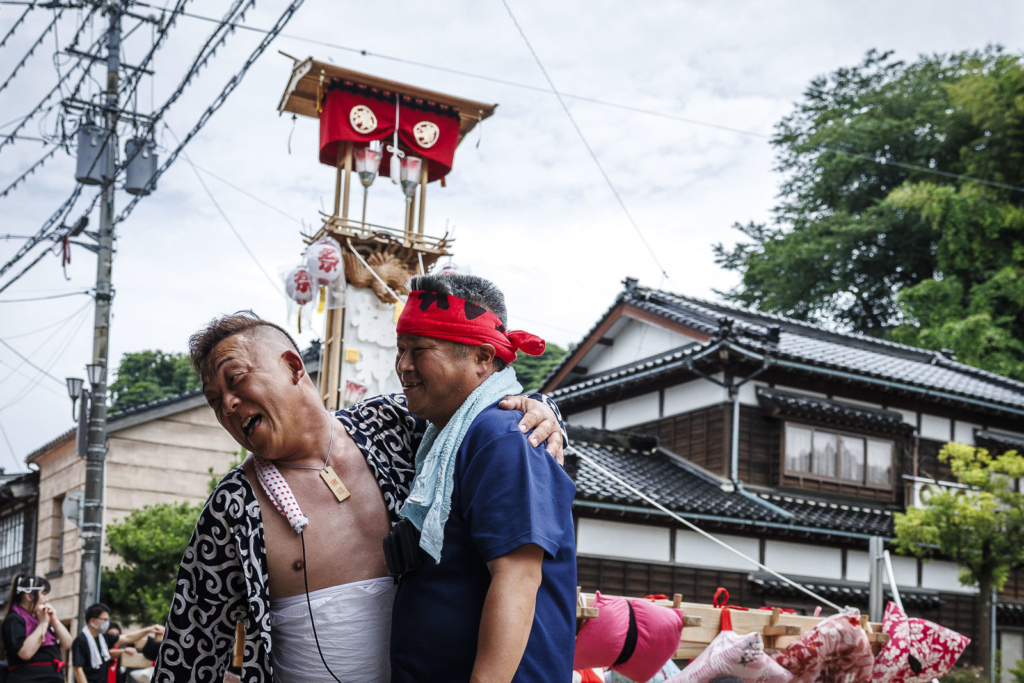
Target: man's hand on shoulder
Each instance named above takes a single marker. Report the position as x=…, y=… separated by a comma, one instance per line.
x=539, y=417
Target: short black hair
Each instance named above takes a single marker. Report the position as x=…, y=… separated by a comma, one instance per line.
x=116, y=625
x=94, y=611
x=202, y=343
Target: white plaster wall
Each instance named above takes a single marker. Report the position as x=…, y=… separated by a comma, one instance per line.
x=905, y=570
x=801, y=559
x=619, y=539
x=586, y=418
x=963, y=432
x=858, y=566
x=1011, y=644
x=694, y=549
x=634, y=341
x=632, y=411
x=943, y=575
x=935, y=427
x=694, y=395
x=909, y=416
x=748, y=393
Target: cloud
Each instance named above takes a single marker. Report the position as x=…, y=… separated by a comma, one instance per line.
x=529, y=207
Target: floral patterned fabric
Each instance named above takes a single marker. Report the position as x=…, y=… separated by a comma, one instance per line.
x=733, y=658
x=667, y=671
x=918, y=650
x=836, y=650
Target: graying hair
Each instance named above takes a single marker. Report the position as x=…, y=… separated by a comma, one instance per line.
x=475, y=290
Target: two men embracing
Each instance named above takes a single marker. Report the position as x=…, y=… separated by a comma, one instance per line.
x=451, y=481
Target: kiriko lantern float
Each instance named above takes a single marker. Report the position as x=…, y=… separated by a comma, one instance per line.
x=375, y=127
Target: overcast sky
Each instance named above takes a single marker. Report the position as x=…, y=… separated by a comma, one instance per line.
x=530, y=208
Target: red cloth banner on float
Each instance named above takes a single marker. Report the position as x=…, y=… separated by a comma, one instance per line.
x=356, y=113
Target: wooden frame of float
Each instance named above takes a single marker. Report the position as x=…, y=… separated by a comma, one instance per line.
x=703, y=622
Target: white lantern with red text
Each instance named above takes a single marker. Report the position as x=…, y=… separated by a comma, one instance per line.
x=323, y=258
x=298, y=284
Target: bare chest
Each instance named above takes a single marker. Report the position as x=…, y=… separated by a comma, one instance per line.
x=343, y=541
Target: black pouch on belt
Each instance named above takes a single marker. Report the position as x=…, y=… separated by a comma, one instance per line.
x=402, y=549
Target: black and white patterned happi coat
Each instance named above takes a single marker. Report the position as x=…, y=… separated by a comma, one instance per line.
x=223, y=576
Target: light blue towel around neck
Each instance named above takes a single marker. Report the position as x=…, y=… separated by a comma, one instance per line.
x=430, y=500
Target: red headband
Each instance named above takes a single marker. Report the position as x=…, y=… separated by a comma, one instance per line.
x=443, y=316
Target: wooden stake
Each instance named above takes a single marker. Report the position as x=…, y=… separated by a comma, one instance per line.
x=348, y=179
x=677, y=600
x=423, y=194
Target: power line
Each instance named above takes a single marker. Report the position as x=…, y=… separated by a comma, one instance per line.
x=586, y=144
x=31, y=169
x=248, y=194
x=47, y=327
x=52, y=362
x=218, y=102
x=227, y=220
x=64, y=322
x=45, y=298
x=9, y=138
x=20, y=20
x=14, y=455
x=614, y=105
x=55, y=218
x=26, y=360
x=228, y=24
x=31, y=50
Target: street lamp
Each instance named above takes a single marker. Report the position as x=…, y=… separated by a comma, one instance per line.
x=74, y=391
x=410, y=174
x=95, y=371
x=77, y=390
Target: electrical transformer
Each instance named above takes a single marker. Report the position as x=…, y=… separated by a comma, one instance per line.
x=141, y=156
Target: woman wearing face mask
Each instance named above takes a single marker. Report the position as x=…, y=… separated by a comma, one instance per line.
x=94, y=647
x=33, y=637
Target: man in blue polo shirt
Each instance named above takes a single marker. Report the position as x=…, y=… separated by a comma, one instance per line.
x=488, y=591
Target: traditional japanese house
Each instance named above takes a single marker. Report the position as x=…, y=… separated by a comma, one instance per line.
x=793, y=443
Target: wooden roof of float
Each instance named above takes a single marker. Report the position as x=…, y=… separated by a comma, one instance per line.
x=300, y=95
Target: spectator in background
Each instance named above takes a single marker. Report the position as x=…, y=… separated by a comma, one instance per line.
x=95, y=649
x=33, y=637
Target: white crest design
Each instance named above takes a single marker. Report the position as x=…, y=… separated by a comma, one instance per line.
x=426, y=133
x=363, y=119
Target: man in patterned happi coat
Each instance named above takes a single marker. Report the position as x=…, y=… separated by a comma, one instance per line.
x=245, y=561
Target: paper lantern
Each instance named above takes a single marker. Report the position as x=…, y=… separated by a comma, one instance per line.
x=298, y=285
x=323, y=259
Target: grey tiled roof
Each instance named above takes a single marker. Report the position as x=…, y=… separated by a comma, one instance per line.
x=835, y=412
x=844, y=592
x=1004, y=440
x=815, y=348
x=687, y=490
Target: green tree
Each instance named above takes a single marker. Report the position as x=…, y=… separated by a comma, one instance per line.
x=980, y=527
x=145, y=376
x=150, y=543
x=862, y=240
x=531, y=370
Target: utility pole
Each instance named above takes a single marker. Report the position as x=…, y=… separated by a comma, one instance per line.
x=92, y=528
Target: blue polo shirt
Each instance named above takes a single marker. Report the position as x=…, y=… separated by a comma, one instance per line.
x=507, y=494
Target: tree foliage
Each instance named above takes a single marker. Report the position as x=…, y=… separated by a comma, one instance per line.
x=150, y=542
x=980, y=527
x=862, y=240
x=531, y=370
x=145, y=376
